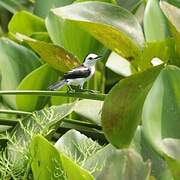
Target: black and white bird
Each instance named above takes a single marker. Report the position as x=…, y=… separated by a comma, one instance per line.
x=79, y=75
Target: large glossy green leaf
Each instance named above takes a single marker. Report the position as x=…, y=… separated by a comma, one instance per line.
x=39, y=79
x=173, y=15
x=42, y=9
x=54, y=55
x=16, y=62
x=161, y=114
x=155, y=25
x=26, y=23
x=110, y=163
x=71, y=37
x=77, y=146
x=113, y=26
x=48, y=163
x=120, y=116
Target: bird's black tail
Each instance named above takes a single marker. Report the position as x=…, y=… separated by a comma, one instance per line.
x=58, y=85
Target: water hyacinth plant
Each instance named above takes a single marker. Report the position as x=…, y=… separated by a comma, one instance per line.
x=127, y=128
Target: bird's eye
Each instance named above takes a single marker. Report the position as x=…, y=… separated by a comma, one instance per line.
x=90, y=58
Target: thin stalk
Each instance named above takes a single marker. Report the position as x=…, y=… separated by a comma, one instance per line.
x=83, y=95
x=82, y=123
x=14, y=112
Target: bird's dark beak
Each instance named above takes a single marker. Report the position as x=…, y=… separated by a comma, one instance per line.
x=98, y=57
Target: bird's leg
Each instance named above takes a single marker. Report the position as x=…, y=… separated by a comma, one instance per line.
x=81, y=87
x=87, y=90
x=70, y=89
x=92, y=91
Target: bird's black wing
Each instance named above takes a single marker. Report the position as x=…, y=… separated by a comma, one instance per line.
x=78, y=72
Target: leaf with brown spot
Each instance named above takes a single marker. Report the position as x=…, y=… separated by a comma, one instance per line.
x=56, y=56
x=122, y=108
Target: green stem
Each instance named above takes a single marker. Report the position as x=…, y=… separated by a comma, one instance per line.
x=14, y=112
x=83, y=95
x=82, y=123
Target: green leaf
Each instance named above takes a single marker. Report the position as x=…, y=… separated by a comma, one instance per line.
x=26, y=23
x=129, y=4
x=159, y=167
x=62, y=32
x=16, y=62
x=73, y=171
x=164, y=50
x=110, y=163
x=174, y=166
x=41, y=36
x=52, y=164
x=173, y=15
x=120, y=116
x=161, y=114
x=54, y=55
x=138, y=11
x=90, y=109
x=173, y=2
x=125, y=164
x=77, y=146
x=119, y=65
x=11, y=5
x=1, y=31
x=38, y=79
x=43, y=122
x=155, y=25
x=42, y=9
x=97, y=161
x=107, y=1
x=118, y=31
x=46, y=162
x=84, y=149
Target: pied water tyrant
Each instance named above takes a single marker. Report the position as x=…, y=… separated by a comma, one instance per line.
x=79, y=75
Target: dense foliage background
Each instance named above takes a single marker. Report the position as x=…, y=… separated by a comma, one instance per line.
x=129, y=128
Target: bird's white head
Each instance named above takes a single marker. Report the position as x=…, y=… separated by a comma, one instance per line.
x=91, y=59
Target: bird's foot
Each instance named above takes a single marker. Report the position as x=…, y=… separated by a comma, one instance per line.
x=90, y=91
x=71, y=90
